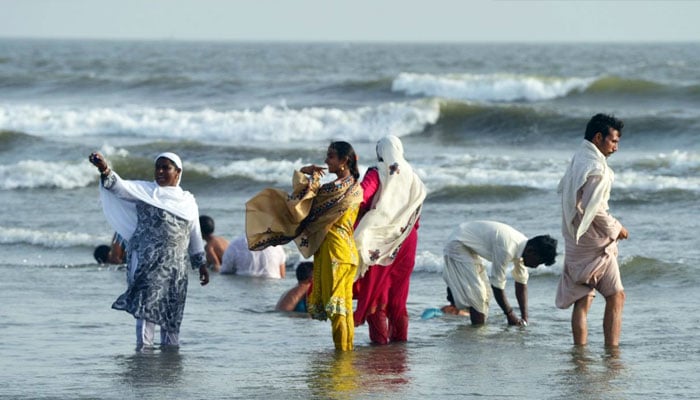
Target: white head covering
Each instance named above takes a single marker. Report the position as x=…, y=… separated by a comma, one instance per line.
x=175, y=159
x=396, y=207
x=587, y=161
x=119, y=205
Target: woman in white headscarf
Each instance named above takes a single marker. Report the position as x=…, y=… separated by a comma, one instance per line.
x=160, y=223
x=386, y=237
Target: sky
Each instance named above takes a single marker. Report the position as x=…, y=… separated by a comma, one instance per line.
x=355, y=20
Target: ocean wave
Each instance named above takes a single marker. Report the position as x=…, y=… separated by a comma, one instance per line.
x=491, y=87
x=258, y=169
x=447, y=121
x=502, y=87
x=635, y=269
x=50, y=239
x=618, y=85
x=637, y=89
x=466, y=123
x=251, y=126
x=448, y=177
x=462, y=122
x=676, y=163
x=641, y=197
x=658, y=184
x=9, y=140
x=32, y=174
x=479, y=193
x=645, y=269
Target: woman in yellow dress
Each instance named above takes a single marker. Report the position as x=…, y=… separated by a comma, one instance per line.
x=319, y=218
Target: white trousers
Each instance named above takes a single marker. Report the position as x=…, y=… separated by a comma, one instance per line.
x=146, y=331
x=467, y=278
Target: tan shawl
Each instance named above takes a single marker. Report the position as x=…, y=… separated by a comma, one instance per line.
x=274, y=217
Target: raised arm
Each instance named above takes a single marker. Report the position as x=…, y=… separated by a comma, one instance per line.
x=110, y=180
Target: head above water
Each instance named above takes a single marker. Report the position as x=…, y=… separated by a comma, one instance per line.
x=101, y=254
x=206, y=224
x=540, y=250
x=305, y=271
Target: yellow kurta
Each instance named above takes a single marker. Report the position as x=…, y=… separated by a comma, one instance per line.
x=335, y=266
x=320, y=219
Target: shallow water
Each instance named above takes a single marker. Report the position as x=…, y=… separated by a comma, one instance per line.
x=61, y=340
x=489, y=128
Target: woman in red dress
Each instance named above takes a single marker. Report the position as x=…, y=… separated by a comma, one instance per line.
x=386, y=236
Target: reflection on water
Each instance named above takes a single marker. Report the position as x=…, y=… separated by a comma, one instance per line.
x=595, y=376
x=333, y=375
x=359, y=373
x=154, y=369
x=384, y=366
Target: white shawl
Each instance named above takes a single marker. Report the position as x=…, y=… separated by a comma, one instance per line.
x=119, y=202
x=587, y=161
x=396, y=207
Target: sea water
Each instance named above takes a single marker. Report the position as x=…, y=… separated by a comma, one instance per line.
x=490, y=129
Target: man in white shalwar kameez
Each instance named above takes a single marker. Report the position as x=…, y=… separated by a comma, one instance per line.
x=501, y=244
x=591, y=233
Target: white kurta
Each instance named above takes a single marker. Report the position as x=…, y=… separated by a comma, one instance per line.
x=465, y=273
x=237, y=259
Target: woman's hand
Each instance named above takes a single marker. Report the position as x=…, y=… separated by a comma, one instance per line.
x=99, y=161
x=311, y=169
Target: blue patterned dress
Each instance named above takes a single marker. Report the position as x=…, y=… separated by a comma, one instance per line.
x=157, y=256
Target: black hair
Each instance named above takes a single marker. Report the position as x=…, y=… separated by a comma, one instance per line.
x=450, y=298
x=545, y=246
x=602, y=123
x=101, y=253
x=304, y=270
x=343, y=150
x=206, y=224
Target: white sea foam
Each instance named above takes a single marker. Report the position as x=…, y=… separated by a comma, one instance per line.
x=42, y=174
x=281, y=123
x=443, y=171
x=259, y=169
x=427, y=261
x=676, y=170
x=48, y=238
x=681, y=162
x=493, y=87
x=642, y=181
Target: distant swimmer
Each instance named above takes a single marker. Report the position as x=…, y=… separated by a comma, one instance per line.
x=501, y=244
x=115, y=253
x=238, y=259
x=215, y=245
x=295, y=298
